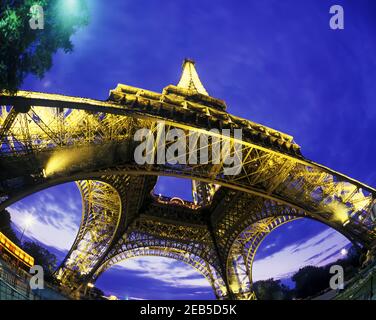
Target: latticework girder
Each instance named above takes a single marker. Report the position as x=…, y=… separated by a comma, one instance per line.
x=193, y=253
x=109, y=205
x=96, y=145
x=242, y=254
x=49, y=139
x=101, y=214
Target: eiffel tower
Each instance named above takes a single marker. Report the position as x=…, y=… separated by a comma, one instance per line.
x=49, y=139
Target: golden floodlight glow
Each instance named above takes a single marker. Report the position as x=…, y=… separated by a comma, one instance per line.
x=56, y=163
x=339, y=210
x=64, y=159
x=234, y=286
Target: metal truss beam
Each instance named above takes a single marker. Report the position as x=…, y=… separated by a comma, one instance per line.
x=101, y=214
x=108, y=208
x=243, y=252
x=106, y=141
x=63, y=138
x=7, y=123
x=193, y=253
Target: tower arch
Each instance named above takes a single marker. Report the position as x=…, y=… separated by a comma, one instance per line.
x=138, y=245
x=243, y=252
x=58, y=138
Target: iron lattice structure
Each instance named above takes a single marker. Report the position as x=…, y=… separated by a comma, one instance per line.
x=48, y=139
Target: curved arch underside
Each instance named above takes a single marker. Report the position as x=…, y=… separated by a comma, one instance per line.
x=101, y=215
x=61, y=139
x=243, y=252
x=54, y=142
x=138, y=244
x=109, y=205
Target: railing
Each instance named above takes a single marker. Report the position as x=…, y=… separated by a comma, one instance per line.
x=7, y=292
x=361, y=287
x=14, y=286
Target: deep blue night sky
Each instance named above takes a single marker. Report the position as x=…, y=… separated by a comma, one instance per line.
x=273, y=62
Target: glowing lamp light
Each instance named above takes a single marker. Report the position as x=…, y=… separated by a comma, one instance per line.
x=68, y=9
x=339, y=211
x=70, y=5
x=343, y=252
x=28, y=221
x=90, y=285
x=346, y=222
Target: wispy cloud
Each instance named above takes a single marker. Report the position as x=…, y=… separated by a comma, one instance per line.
x=174, y=273
x=285, y=262
x=56, y=216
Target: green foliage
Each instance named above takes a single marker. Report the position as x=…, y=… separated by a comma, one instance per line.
x=6, y=227
x=272, y=290
x=42, y=257
x=26, y=51
x=310, y=280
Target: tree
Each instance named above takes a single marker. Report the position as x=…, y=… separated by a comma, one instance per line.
x=272, y=290
x=310, y=281
x=96, y=293
x=42, y=257
x=6, y=227
x=353, y=256
x=24, y=50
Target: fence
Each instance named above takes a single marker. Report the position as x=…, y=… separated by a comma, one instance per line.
x=14, y=285
x=362, y=287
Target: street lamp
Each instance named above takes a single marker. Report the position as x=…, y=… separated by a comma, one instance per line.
x=89, y=287
x=28, y=222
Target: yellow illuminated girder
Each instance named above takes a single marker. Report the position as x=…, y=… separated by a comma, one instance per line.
x=265, y=172
x=138, y=244
x=101, y=213
x=48, y=139
x=243, y=251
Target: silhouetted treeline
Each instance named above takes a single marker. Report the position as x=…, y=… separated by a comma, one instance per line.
x=309, y=281
x=272, y=290
x=6, y=227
